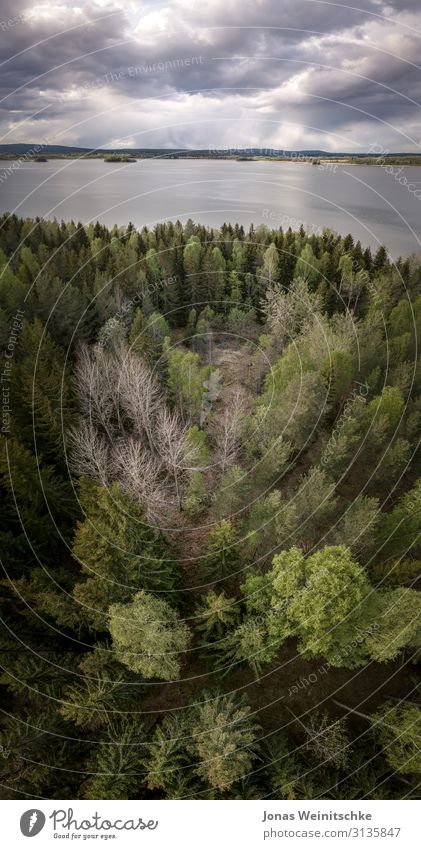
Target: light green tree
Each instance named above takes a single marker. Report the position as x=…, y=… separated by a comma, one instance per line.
x=231, y=494
x=328, y=595
x=398, y=728
x=186, y=380
x=148, y=636
x=398, y=624
x=270, y=268
x=307, y=266
x=356, y=525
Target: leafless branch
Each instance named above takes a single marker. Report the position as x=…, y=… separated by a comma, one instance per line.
x=89, y=452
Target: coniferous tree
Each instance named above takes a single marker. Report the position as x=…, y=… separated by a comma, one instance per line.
x=222, y=736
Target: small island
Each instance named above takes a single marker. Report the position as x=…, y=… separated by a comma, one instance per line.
x=114, y=157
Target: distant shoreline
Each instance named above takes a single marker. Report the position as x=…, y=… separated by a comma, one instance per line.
x=376, y=155
x=123, y=158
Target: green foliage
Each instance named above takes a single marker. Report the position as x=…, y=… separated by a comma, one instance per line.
x=229, y=497
x=301, y=521
x=220, y=554
x=292, y=408
x=148, y=636
x=91, y=703
x=364, y=444
x=398, y=531
x=398, y=729
x=147, y=335
x=167, y=762
x=249, y=643
x=338, y=371
x=398, y=620
x=262, y=526
x=270, y=268
x=284, y=770
x=221, y=741
x=112, y=335
x=43, y=497
x=195, y=499
x=215, y=614
x=192, y=256
x=119, y=551
x=257, y=592
x=40, y=392
x=356, y=525
x=396, y=574
x=307, y=266
x=115, y=761
x=198, y=445
x=186, y=380
x=327, y=596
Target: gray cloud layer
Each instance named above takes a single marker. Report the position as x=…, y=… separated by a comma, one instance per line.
x=274, y=73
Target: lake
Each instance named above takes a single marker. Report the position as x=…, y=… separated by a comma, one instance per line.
x=363, y=200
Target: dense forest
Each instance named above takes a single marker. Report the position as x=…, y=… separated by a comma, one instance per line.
x=211, y=514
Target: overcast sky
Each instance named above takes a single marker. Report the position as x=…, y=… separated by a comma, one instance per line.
x=196, y=73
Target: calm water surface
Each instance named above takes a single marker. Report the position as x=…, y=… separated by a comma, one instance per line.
x=363, y=200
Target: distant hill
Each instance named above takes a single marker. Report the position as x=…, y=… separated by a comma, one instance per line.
x=34, y=149
x=58, y=149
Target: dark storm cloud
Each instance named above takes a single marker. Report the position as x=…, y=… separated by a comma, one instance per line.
x=275, y=60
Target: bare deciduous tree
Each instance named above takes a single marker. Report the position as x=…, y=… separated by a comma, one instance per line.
x=228, y=429
x=140, y=474
x=139, y=396
x=129, y=433
x=174, y=448
x=96, y=384
x=327, y=740
x=89, y=452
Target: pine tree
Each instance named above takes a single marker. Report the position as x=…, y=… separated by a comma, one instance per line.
x=220, y=554
x=167, y=762
x=115, y=763
x=215, y=614
x=119, y=551
x=195, y=499
x=222, y=737
x=41, y=400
